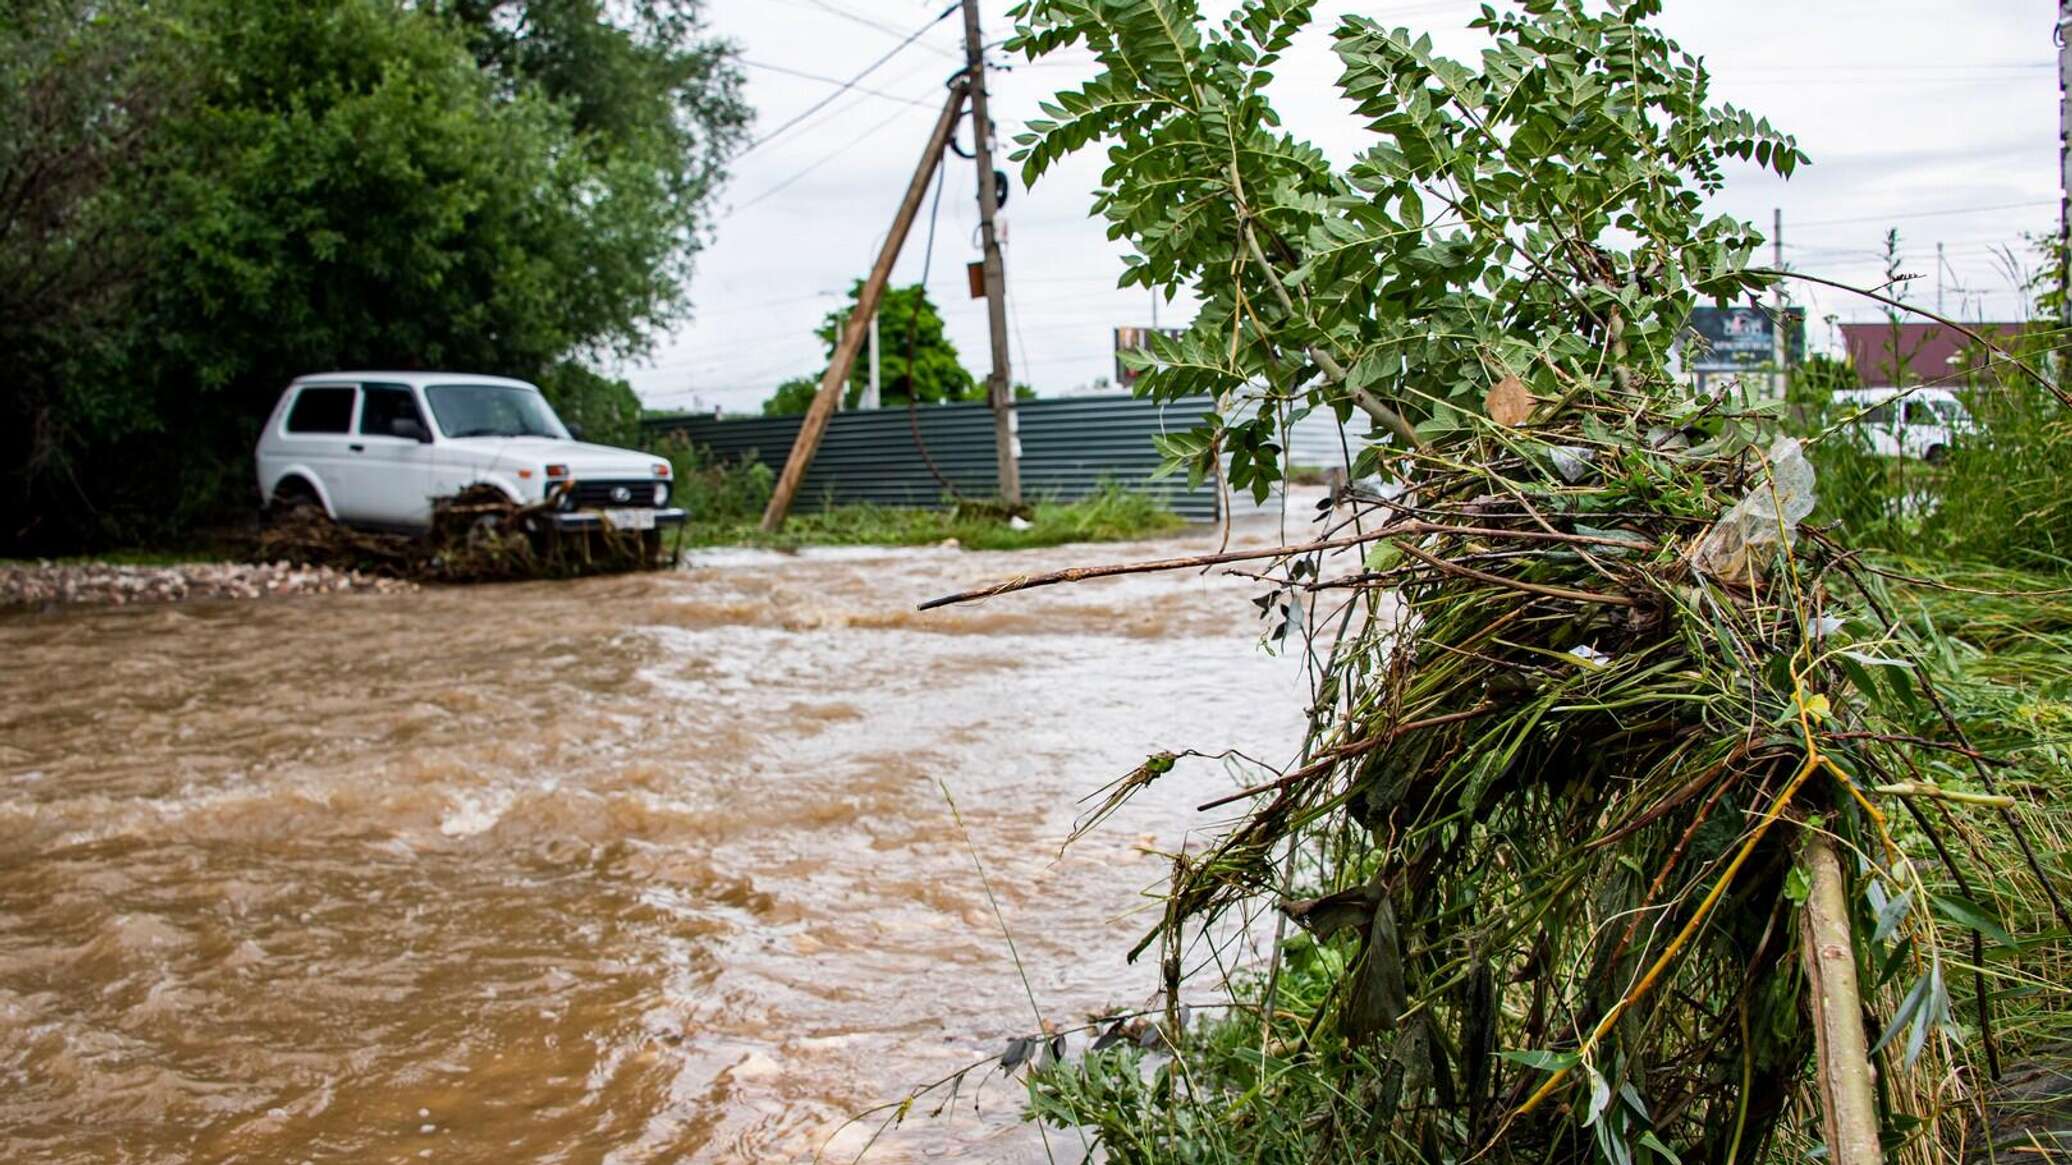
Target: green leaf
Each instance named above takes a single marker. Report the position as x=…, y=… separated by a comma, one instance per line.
x=1542, y=1060
x=1967, y=914
x=1797, y=886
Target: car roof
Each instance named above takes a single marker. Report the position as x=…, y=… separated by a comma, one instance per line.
x=418, y=379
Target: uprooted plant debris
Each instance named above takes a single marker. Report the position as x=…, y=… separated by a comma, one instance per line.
x=478, y=535
x=1634, y=822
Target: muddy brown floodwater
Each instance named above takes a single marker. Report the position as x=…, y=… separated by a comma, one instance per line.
x=648, y=868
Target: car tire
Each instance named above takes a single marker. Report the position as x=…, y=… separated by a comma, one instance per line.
x=1936, y=454
x=294, y=501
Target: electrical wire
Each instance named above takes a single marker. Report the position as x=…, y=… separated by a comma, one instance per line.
x=823, y=160
x=847, y=13
x=1014, y=316
x=913, y=327
x=791, y=72
x=1828, y=222
x=845, y=86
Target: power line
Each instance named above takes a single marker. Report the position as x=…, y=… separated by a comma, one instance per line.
x=847, y=13
x=791, y=72
x=838, y=112
x=845, y=86
x=823, y=160
x=1901, y=67
x=1828, y=222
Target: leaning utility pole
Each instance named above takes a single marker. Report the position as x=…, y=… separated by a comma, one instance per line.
x=857, y=324
x=1000, y=385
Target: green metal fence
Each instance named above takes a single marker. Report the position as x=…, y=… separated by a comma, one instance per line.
x=1070, y=447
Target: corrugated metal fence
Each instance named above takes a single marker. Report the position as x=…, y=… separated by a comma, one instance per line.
x=1070, y=447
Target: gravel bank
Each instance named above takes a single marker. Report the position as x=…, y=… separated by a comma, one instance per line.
x=49, y=584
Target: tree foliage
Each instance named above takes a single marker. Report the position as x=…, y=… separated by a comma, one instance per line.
x=916, y=360
x=792, y=398
x=1593, y=686
x=344, y=185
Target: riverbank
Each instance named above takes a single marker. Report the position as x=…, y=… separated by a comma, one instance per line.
x=73, y=582
x=292, y=566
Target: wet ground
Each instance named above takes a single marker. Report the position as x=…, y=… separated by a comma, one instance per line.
x=645, y=868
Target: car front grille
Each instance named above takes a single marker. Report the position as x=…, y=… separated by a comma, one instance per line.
x=597, y=494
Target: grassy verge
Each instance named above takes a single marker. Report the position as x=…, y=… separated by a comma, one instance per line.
x=1109, y=516
x=726, y=500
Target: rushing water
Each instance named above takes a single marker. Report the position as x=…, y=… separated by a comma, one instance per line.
x=628, y=869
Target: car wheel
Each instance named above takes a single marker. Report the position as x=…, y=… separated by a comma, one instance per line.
x=294, y=502
x=1937, y=454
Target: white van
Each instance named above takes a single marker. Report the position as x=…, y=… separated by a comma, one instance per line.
x=1916, y=422
x=374, y=448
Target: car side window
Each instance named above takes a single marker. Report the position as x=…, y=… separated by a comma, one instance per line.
x=385, y=404
x=322, y=409
x=1881, y=415
x=1921, y=413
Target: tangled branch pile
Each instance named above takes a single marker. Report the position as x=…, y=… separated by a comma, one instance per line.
x=1627, y=797
x=477, y=535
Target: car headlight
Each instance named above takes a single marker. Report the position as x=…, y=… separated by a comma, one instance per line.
x=661, y=493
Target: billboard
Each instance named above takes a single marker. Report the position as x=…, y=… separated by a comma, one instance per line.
x=1731, y=339
x=1135, y=340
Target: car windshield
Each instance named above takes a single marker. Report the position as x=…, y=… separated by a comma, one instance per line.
x=493, y=410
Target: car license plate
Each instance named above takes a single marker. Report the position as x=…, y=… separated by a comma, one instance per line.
x=630, y=519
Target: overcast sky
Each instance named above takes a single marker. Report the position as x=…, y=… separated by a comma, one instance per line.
x=1938, y=117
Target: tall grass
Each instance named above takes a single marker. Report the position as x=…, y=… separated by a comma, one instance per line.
x=2003, y=490
x=1998, y=497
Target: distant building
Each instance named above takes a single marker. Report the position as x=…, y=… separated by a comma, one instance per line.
x=1919, y=353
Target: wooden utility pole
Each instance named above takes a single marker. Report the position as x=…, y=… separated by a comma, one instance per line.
x=858, y=323
x=1842, y=1068
x=2064, y=38
x=999, y=385
x=1780, y=342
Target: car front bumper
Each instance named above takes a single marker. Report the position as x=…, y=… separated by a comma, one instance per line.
x=594, y=519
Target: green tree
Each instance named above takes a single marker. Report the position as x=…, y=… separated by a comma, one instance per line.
x=792, y=398
x=599, y=408
x=85, y=89
x=349, y=185
x=907, y=321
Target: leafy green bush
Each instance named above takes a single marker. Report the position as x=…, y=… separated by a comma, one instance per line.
x=718, y=494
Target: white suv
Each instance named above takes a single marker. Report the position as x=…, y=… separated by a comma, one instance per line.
x=1919, y=422
x=374, y=449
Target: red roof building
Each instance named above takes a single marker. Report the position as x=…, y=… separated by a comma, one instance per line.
x=1917, y=353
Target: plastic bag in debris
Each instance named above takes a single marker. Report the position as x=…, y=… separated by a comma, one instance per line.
x=1771, y=512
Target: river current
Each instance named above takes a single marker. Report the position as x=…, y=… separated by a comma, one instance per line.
x=648, y=868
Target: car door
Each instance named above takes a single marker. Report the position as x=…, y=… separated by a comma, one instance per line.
x=316, y=437
x=393, y=456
